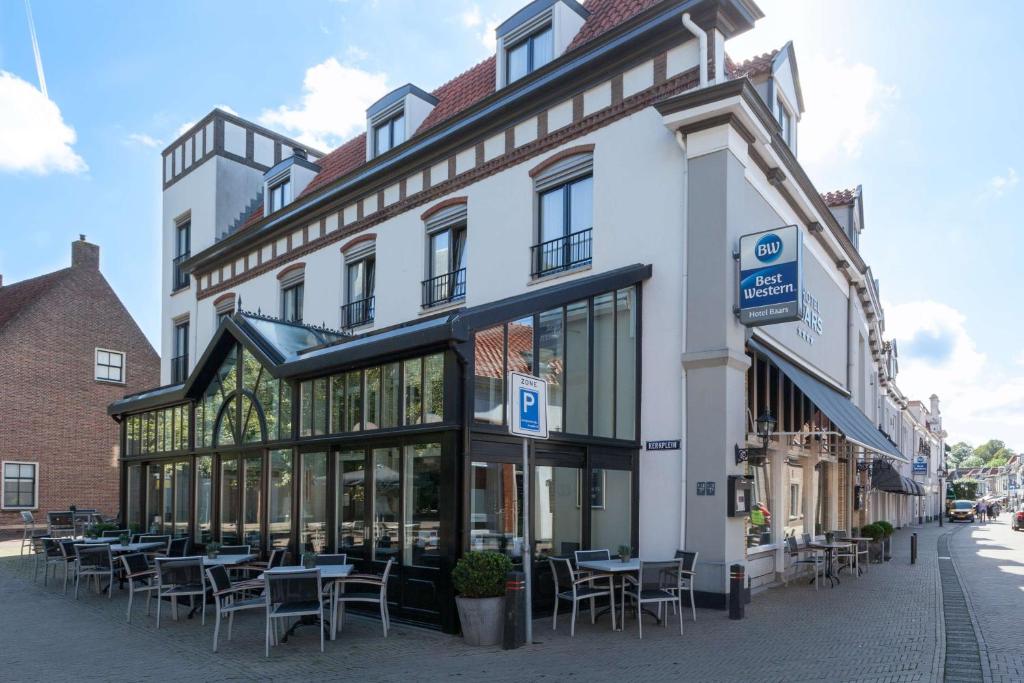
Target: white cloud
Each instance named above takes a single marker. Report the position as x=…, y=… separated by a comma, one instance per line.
x=472, y=18
x=980, y=399
x=33, y=135
x=354, y=53
x=188, y=124
x=333, y=107
x=844, y=104
x=1001, y=184
x=144, y=140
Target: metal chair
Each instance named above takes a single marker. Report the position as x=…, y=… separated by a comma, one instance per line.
x=599, y=555
x=325, y=560
x=180, y=577
x=376, y=591
x=577, y=586
x=234, y=550
x=152, y=538
x=845, y=556
x=94, y=559
x=178, y=547
x=689, y=575
x=113, y=533
x=816, y=558
x=28, y=533
x=229, y=598
x=54, y=558
x=277, y=559
x=141, y=578
x=67, y=549
x=60, y=524
x=291, y=593
x=655, y=585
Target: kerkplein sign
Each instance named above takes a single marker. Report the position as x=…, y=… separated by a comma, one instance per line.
x=771, y=276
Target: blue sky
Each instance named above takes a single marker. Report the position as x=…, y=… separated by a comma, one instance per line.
x=918, y=101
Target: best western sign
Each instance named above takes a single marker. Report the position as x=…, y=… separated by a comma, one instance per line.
x=771, y=278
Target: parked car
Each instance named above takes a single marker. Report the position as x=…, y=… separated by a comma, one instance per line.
x=1018, y=520
x=962, y=511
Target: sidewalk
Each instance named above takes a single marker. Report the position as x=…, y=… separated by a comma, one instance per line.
x=884, y=626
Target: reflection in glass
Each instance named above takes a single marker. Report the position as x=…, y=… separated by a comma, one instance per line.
x=229, y=501
x=320, y=406
x=133, y=497
x=611, y=508
x=280, y=514
x=520, y=346
x=489, y=375
x=204, y=498
x=759, y=519
x=313, y=498
x=625, y=363
x=168, y=507
x=422, y=488
x=351, y=534
x=551, y=363
x=577, y=367
x=182, y=500
x=154, y=520
x=372, y=420
x=252, y=507
x=558, y=522
x=604, y=365
x=412, y=371
x=433, y=390
x=386, y=502
x=496, y=516
x=353, y=401
x=390, y=395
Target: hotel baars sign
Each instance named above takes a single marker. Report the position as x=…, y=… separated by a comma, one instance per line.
x=771, y=277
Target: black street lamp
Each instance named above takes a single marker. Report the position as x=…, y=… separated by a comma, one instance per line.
x=765, y=425
x=942, y=495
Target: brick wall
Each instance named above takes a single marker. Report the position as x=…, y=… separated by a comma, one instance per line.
x=52, y=410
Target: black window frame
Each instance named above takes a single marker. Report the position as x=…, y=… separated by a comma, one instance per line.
x=529, y=41
x=576, y=247
x=388, y=125
x=359, y=310
x=179, y=359
x=34, y=479
x=182, y=250
x=296, y=290
x=275, y=193
x=97, y=365
x=450, y=285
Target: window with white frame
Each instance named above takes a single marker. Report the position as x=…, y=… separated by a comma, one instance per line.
x=446, y=257
x=110, y=366
x=785, y=121
x=280, y=194
x=20, y=485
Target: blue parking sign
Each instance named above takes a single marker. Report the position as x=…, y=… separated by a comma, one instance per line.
x=528, y=414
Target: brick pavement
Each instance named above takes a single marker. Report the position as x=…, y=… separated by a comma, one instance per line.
x=990, y=561
x=885, y=626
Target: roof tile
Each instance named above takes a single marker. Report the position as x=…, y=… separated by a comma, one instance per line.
x=839, y=197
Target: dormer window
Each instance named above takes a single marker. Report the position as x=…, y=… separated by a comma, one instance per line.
x=529, y=54
x=280, y=194
x=389, y=134
x=785, y=122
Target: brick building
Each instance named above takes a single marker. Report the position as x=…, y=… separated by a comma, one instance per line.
x=68, y=348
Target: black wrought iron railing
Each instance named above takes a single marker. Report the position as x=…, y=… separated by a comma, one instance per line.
x=561, y=253
x=179, y=277
x=179, y=368
x=444, y=288
x=356, y=313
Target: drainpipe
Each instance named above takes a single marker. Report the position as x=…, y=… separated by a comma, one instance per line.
x=702, y=38
x=684, y=453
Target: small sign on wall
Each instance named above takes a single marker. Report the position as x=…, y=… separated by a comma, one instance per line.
x=664, y=445
x=705, y=488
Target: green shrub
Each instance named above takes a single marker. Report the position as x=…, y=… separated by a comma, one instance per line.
x=94, y=530
x=872, y=531
x=886, y=528
x=481, y=574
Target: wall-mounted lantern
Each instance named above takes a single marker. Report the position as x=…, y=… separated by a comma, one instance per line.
x=756, y=456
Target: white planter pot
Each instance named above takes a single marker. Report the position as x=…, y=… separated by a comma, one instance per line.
x=483, y=619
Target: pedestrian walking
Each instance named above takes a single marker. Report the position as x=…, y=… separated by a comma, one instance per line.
x=982, y=511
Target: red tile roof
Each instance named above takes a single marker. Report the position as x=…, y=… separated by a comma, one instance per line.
x=839, y=197
x=16, y=297
x=468, y=88
x=754, y=66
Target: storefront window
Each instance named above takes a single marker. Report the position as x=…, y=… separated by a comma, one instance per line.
x=551, y=363
x=496, y=513
x=611, y=508
x=226, y=428
x=229, y=501
x=168, y=506
x=489, y=376
x=793, y=482
x=391, y=397
x=154, y=520
x=280, y=518
x=422, y=488
x=520, y=346
x=386, y=500
x=625, y=363
x=822, y=520
x=313, y=498
x=577, y=367
x=604, y=365
x=353, y=401
x=252, y=506
x=433, y=388
x=204, y=498
x=351, y=534
x=182, y=498
x=412, y=370
x=372, y=420
x=558, y=520
x=133, y=497
x=759, y=519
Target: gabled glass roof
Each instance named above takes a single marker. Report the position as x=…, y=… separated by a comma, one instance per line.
x=289, y=339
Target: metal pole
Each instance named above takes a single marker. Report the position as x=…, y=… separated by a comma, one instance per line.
x=942, y=500
x=527, y=553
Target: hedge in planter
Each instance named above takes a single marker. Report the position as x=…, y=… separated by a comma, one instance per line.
x=479, y=577
x=887, y=531
x=876, y=534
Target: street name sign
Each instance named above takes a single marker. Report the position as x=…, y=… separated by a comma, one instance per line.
x=771, y=276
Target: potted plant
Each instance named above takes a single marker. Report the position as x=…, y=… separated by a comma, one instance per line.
x=479, y=578
x=124, y=539
x=887, y=532
x=309, y=559
x=875, y=533
x=624, y=553
x=212, y=549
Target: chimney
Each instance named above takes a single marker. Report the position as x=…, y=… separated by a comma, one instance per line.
x=299, y=153
x=934, y=405
x=84, y=254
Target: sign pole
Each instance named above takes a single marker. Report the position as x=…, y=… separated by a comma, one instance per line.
x=527, y=554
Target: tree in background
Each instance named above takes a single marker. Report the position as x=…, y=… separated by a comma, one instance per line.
x=993, y=449
x=964, y=489
x=971, y=461
x=958, y=453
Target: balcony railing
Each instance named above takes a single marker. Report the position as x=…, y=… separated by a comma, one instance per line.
x=179, y=277
x=561, y=253
x=444, y=288
x=357, y=313
x=179, y=369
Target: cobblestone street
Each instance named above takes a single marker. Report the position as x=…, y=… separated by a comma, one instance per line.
x=885, y=626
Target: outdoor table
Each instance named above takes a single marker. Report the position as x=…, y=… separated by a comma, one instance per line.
x=857, y=540
x=227, y=560
x=614, y=567
x=328, y=572
x=118, y=548
x=830, y=551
